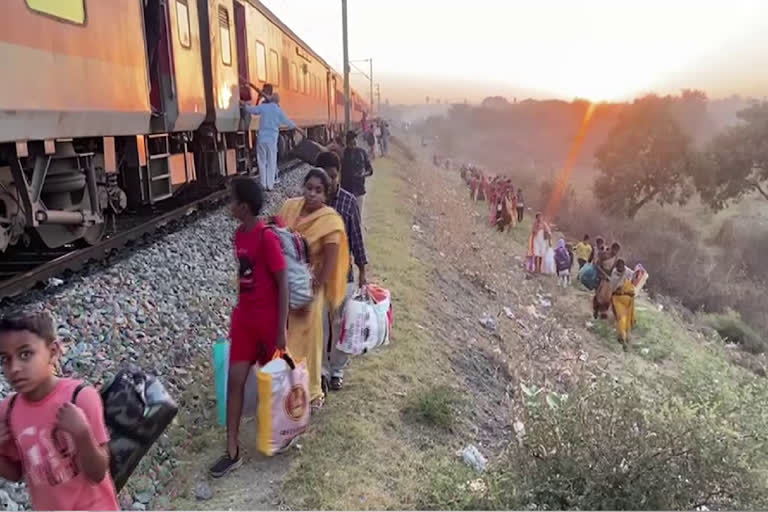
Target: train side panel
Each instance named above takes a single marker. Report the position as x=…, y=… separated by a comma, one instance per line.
x=187, y=65
x=73, y=68
x=220, y=68
x=275, y=58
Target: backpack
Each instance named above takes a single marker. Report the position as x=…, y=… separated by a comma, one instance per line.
x=296, y=253
x=137, y=410
x=562, y=259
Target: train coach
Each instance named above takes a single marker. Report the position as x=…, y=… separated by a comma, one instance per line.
x=122, y=104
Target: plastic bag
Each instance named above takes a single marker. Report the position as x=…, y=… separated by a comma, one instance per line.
x=359, y=324
x=283, y=403
x=548, y=264
x=588, y=276
x=382, y=305
x=220, y=373
x=137, y=410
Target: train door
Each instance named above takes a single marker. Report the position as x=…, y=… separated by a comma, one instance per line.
x=241, y=41
x=332, y=101
x=242, y=141
x=159, y=53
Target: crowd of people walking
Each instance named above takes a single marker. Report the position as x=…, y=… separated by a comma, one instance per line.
x=600, y=267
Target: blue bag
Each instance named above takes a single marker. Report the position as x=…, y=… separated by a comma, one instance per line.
x=588, y=276
x=220, y=373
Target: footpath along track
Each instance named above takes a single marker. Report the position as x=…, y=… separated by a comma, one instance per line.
x=27, y=269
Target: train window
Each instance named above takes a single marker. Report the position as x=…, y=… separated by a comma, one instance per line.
x=261, y=61
x=182, y=23
x=224, y=36
x=72, y=11
x=274, y=68
x=294, y=77
x=304, y=81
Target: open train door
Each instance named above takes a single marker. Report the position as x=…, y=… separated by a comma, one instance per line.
x=241, y=41
x=334, y=111
x=243, y=142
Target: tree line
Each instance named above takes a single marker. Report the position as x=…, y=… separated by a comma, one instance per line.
x=651, y=155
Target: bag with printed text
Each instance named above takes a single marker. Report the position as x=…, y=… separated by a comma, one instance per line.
x=283, y=403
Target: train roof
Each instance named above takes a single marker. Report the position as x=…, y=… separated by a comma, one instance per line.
x=274, y=19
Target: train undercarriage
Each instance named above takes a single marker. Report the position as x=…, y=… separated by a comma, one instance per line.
x=70, y=191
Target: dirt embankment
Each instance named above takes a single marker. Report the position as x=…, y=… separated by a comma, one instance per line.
x=471, y=331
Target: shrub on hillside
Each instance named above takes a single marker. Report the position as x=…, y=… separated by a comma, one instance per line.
x=732, y=328
x=609, y=447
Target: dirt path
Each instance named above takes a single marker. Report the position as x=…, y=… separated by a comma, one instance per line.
x=446, y=381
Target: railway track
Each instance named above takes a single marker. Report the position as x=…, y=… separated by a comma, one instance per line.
x=25, y=270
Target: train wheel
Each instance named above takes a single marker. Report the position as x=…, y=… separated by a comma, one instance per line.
x=95, y=234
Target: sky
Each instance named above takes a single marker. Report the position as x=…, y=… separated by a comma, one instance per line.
x=595, y=49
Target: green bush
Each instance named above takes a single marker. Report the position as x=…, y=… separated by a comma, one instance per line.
x=694, y=441
x=607, y=446
x=435, y=407
x=733, y=329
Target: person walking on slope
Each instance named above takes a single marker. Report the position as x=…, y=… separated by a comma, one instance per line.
x=539, y=242
x=346, y=206
x=583, y=252
x=271, y=117
x=355, y=169
x=563, y=263
x=520, y=205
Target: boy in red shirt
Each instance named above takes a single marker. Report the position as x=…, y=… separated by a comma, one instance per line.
x=260, y=318
x=57, y=446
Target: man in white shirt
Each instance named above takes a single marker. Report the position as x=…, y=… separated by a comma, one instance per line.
x=271, y=118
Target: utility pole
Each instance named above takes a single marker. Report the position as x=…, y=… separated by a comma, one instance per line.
x=371, y=79
x=346, y=65
x=378, y=97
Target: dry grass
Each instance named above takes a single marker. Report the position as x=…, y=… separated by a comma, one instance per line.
x=361, y=452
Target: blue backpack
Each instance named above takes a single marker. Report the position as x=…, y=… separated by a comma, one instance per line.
x=562, y=259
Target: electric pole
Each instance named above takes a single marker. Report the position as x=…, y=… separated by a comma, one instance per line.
x=371, y=79
x=378, y=97
x=346, y=65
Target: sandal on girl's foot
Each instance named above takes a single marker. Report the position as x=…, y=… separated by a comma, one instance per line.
x=316, y=404
x=337, y=383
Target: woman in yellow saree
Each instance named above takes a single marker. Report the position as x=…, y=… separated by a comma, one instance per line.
x=623, y=302
x=323, y=229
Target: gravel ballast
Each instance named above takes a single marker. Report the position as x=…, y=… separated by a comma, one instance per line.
x=161, y=307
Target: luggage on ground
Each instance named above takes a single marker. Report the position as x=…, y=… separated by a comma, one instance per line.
x=307, y=151
x=283, y=403
x=296, y=252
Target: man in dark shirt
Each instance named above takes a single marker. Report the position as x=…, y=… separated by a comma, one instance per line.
x=346, y=205
x=355, y=168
